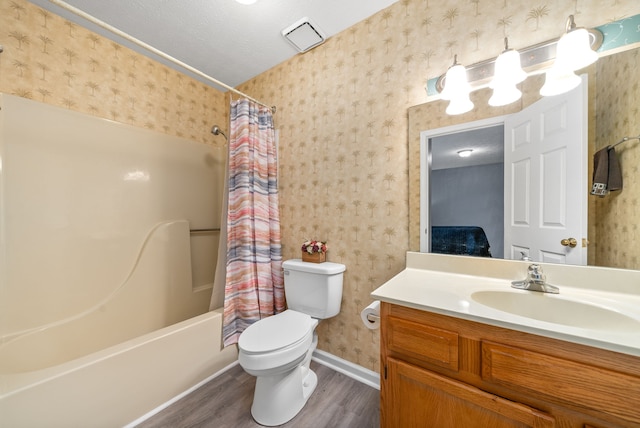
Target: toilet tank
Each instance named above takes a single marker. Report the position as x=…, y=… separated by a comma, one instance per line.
x=313, y=288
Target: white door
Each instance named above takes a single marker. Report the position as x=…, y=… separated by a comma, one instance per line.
x=545, y=179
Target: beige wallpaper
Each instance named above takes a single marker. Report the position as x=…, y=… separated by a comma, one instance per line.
x=342, y=117
x=618, y=116
x=49, y=59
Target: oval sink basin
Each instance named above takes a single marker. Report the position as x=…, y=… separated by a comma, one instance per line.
x=553, y=309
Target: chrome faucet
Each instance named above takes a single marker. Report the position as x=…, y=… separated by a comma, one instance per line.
x=535, y=281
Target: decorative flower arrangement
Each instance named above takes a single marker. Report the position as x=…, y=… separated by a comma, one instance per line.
x=314, y=247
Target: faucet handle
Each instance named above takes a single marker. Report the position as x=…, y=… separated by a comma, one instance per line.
x=534, y=273
x=525, y=257
x=536, y=281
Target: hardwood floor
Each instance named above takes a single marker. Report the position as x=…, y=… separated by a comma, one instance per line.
x=225, y=402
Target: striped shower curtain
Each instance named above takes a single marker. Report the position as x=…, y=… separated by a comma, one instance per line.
x=254, y=286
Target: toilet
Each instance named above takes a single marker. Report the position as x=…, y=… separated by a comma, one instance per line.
x=277, y=349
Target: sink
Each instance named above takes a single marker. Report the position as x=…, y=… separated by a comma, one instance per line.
x=554, y=309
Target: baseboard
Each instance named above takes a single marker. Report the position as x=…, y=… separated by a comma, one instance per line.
x=179, y=396
x=354, y=371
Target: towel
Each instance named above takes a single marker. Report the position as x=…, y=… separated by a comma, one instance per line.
x=607, y=175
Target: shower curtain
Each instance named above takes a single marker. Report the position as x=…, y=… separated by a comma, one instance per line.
x=254, y=286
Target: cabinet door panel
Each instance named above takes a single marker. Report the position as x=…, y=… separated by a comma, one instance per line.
x=593, y=387
x=420, y=398
x=426, y=343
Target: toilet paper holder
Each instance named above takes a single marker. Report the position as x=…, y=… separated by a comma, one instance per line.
x=371, y=315
x=373, y=318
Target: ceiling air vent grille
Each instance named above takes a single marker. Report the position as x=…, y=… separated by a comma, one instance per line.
x=303, y=35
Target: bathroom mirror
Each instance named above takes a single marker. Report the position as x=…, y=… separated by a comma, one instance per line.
x=613, y=91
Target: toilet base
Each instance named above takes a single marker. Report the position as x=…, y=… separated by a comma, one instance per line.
x=278, y=399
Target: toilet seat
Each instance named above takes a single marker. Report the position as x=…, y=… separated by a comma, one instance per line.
x=276, y=343
x=276, y=332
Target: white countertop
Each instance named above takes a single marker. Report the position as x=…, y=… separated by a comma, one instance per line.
x=445, y=284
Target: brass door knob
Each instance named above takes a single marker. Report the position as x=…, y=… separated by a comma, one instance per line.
x=569, y=242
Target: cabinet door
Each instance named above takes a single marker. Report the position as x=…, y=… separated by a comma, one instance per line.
x=578, y=383
x=415, y=397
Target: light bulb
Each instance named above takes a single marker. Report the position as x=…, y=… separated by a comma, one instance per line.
x=459, y=105
x=504, y=94
x=508, y=70
x=507, y=74
x=558, y=81
x=574, y=50
x=455, y=84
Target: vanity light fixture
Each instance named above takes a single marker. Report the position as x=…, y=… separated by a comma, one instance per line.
x=534, y=59
x=456, y=89
x=508, y=73
x=465, y=153
x=573, y=53
x=574, y=47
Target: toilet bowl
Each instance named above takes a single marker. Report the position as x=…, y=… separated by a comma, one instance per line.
x=278, y=349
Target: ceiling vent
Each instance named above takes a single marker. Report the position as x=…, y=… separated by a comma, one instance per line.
x=303, y=35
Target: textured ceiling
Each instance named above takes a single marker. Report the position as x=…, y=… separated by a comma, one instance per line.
x=226, y=40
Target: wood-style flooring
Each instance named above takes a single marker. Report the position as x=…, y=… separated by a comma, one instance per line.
x=225, y=402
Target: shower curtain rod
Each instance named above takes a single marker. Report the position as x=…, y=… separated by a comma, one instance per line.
x=151, y=49
x=625, y=139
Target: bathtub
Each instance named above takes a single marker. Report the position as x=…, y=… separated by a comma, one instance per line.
x=106, y=275
x=117, y=385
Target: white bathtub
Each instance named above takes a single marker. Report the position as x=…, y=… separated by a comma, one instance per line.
x=104, y=285
x=119, y=384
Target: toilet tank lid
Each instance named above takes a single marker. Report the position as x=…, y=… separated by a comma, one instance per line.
x=326, y=268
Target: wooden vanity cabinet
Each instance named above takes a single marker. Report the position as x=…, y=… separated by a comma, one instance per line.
x=440, y=371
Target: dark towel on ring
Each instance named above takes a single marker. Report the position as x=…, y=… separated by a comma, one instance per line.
x=607, y=175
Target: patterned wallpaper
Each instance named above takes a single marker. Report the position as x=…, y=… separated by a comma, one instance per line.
x=342, y=117
x=49, y=59
x=618, y=116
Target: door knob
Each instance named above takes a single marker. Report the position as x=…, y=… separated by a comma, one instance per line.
x=569, y=242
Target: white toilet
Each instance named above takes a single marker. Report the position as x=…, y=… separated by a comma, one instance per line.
x=277, y=350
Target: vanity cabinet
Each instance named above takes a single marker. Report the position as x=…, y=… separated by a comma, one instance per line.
x=441, y=371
